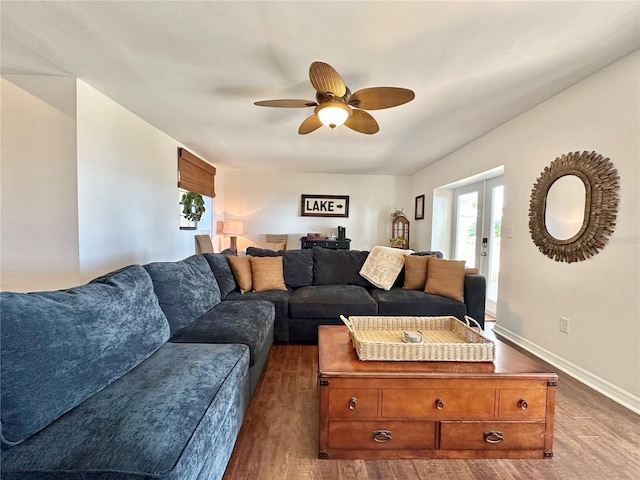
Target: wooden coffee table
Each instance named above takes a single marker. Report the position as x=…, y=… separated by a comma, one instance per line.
x=387, y=410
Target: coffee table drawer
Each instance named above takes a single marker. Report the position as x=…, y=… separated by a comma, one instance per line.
x=492, y=435
x=353, y=402
x=382, y=435
x=449, y=404
x=523, y=404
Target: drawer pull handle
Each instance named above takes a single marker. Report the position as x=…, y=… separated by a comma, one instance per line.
x=439, y=404
x=493, y=437
x=353, y=403
x=382, y=436
x=523, y=404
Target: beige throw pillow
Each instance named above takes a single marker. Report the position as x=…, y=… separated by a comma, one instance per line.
x=446, y=278
x=267, y=274
x=241, y=268
x=415, y=271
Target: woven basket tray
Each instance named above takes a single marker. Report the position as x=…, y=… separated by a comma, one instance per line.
x=444, y=339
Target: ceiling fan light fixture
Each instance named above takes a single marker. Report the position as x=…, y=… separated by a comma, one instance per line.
x=334, y=101
x=333, y=114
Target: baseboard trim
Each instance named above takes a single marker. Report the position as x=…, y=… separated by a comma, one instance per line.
x=616, y=394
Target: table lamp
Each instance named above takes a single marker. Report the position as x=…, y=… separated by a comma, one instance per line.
x=233, y=228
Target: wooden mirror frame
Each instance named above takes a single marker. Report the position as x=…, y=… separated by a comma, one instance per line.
x=601, y=185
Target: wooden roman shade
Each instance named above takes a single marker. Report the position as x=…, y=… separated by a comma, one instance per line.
x=195, y=174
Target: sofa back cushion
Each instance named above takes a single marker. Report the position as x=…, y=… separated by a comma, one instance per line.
x=298, y=267
x=222, y=271
x=59, y=348
x=186, y=289
x=338, y=267
x=262, y=252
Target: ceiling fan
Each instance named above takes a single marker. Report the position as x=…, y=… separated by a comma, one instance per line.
x=336, y=105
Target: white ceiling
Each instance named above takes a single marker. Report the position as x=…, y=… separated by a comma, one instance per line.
x=194, y=69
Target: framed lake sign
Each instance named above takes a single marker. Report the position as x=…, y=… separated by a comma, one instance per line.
x=324, y=206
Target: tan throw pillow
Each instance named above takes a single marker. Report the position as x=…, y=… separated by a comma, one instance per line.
x=241, y=268
x=267, y=274
x=446, y=278
x=415, y=271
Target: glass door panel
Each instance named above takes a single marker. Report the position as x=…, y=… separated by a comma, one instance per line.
x=491, y=268
x=466, y=234
x=478, y=231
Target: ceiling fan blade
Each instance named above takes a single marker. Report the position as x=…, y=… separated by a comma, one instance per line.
x=309, y=125
x=326, y=79
x=286, y=103
x=362, y=122
x=377, y=98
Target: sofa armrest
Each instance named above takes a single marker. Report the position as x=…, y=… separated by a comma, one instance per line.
x=475, y=291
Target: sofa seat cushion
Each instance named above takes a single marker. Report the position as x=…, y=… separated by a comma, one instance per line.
x=59, y=348
x=279, y=298
x=159, y=421
x=185, y=289
x=331, y=301
x=248, y=323
x=403, y=302
x=305, y=330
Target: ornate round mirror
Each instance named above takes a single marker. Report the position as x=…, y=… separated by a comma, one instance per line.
x=573, y=206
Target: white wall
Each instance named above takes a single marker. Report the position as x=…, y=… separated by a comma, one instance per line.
x=600, y=296
x=39, y=225
x=127, y=189
x=270, y=203
x=87, y=186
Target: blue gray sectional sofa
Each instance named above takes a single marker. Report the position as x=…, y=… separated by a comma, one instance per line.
x=323, y=284
x=146, y=372
x=140, y=374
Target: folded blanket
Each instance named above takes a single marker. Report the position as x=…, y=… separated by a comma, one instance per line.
x=383, y=265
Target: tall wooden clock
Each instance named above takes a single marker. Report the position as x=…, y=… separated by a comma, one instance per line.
x=400, y=232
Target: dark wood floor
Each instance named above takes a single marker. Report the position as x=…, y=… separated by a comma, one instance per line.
x=595, y=438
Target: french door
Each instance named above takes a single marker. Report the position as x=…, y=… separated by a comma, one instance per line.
x=477, y=231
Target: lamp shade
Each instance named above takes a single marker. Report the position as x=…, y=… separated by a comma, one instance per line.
x=232, y=227
x=333, y=114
